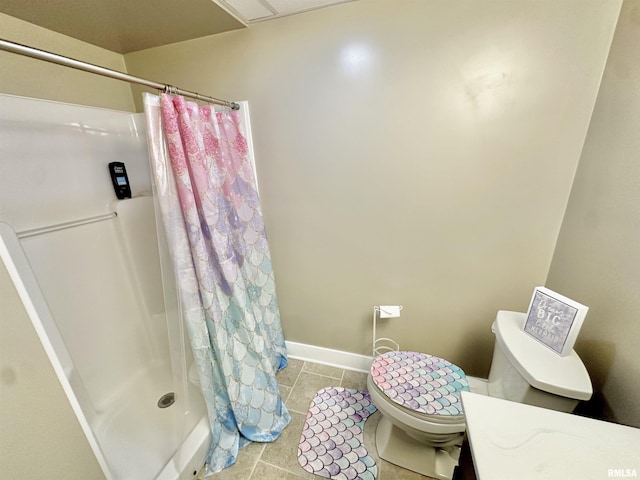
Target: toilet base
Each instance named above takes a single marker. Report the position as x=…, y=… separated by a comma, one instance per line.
x=395, y=446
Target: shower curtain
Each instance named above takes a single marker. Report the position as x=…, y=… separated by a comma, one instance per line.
x=207, y=196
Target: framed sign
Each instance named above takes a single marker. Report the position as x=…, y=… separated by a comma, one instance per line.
x=554, y=320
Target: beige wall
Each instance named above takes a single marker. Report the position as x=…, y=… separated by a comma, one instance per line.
x=417, y=153
x=40, y=436
x=34, y=78
x=597, y=259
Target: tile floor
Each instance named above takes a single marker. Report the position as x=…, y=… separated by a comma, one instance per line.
x=299, y=382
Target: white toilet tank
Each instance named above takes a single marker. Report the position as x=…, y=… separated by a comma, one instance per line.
x=524, y=370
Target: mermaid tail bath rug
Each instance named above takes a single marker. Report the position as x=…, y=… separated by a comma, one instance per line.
x=332, y=441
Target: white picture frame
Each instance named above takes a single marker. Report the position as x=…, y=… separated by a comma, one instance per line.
x=554, y=320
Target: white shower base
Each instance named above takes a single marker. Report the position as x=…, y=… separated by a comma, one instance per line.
x=133, y=419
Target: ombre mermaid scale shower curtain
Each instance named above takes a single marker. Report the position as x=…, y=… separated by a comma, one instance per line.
x=206, y=192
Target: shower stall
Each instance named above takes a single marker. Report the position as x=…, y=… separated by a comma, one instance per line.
x=89, y=271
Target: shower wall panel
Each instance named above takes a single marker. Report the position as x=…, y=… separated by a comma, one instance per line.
x=55, y=156
x=100, y=313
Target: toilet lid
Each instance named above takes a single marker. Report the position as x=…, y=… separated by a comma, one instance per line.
x=420, y=382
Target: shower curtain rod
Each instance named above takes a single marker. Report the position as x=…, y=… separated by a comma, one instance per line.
x=106, y=72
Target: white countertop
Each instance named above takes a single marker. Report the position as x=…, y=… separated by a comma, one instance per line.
x=515, y=441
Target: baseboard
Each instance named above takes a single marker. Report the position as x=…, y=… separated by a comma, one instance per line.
x=328, y=356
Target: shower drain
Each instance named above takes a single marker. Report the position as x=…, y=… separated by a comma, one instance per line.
x=167, y=400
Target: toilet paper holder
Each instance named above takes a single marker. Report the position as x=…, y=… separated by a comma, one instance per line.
x=384, y=344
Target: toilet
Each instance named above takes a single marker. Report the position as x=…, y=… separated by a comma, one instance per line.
x=418, y=395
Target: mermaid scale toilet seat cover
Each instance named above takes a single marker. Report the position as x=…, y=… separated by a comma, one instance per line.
x=420, y=382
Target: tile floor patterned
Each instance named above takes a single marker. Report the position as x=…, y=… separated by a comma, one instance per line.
x=299, y=382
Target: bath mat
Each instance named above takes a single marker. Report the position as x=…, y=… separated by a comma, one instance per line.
x=332, y=441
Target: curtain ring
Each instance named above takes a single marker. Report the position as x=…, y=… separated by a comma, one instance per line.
x=168, y=89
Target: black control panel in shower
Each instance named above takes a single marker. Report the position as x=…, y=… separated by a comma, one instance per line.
x=120, y=180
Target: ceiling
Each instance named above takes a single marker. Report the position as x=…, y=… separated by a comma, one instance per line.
x=125, y=26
